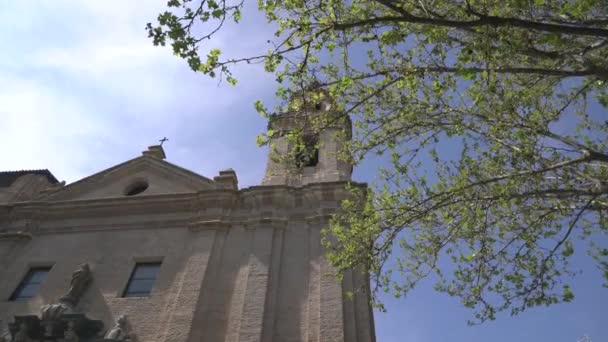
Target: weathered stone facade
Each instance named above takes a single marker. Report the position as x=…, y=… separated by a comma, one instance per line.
x=236, y=265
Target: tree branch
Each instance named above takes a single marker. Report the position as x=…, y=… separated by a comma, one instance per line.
x=492, y=21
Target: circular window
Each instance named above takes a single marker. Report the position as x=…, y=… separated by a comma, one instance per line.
x=323, y=105
x=136, y=188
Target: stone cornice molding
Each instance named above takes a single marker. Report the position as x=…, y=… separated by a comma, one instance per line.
x=116, y=206
x=218, y=224
x=253, y=223
x=198, y=224
x=266, y=222
x=200, y=198
x=206, y=209
x=316, y=220
x=15, y=235
x=141, y=225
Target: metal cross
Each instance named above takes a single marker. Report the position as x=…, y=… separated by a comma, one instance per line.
x=163, y=140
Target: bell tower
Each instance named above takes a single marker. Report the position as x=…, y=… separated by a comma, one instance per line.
x=306, y=143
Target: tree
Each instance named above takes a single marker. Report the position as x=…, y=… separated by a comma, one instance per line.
x=490, y=116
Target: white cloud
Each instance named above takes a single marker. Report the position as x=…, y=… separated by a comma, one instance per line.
x=83, y=88
x=39, y=128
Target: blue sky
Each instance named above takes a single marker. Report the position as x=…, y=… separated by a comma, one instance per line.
x=83, y=89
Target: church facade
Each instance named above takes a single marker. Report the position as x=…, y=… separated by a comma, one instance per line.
x=148, y=251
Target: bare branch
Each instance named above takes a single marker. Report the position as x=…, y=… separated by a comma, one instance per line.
x=492, y=21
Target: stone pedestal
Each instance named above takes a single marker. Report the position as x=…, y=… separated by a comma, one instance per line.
x=64, y=328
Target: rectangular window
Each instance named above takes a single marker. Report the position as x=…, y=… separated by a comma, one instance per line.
x=142, y=279
x=29, y=286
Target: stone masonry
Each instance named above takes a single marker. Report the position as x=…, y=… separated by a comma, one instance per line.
x=236, y=264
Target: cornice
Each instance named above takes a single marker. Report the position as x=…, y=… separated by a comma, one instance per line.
x=176, y=198
x=193, y=224
x=15, y=235
x=115, y=226
x=217, y=224
x=306, y=187
x=206, y=209
x=318, y=219
x=247, y=223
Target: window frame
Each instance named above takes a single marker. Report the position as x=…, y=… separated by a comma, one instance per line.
x=126, y=294
x=16, y=295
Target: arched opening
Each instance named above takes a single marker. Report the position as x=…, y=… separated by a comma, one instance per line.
x=308, y=155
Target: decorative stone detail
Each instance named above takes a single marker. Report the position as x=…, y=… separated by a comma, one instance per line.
x=70, y=335
x=52, y=311
x=155, y=151
x=227, y=179
x=5, y=335
x=81, y=278
x=58, y=323
x=208, y=224
x=120, y=331
x=60, y=328
x=16, y=235
x=55, y=325
x=22, y=334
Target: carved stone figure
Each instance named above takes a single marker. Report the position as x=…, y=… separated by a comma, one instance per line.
x=69, y=334
x=52, y=311
x=80, y=281
x=120, y=330
x=54, y=325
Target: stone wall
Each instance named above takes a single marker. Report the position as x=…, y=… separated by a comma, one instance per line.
x=236, y=265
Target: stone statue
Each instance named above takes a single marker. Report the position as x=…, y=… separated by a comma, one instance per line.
x=120, y=330
x=80, y=281
x=70, y=335
x=52, y=311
